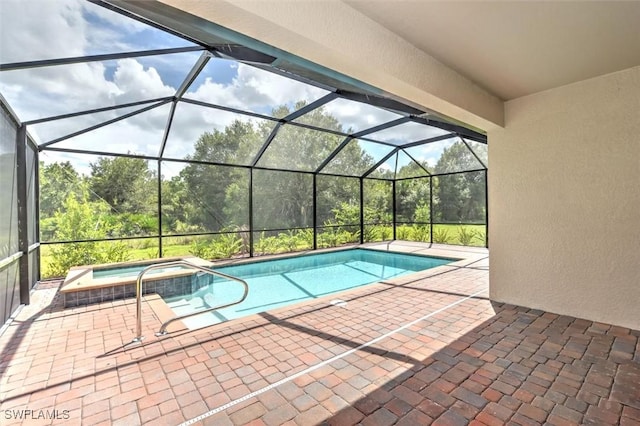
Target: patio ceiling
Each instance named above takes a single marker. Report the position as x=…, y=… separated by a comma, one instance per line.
x=514, y=49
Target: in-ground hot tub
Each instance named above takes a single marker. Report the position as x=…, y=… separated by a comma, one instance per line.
x=85, y=285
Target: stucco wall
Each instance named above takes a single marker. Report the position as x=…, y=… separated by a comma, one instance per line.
x=564, y=200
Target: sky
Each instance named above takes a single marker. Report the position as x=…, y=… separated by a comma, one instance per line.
x=46, y=29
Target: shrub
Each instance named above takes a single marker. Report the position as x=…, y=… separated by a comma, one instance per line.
x=371, y=233
x=404, y=232
x=441, y=235
x=466, y=235
x=225, y=246
x=265, y=245
x=200, y=248
x=421, y=233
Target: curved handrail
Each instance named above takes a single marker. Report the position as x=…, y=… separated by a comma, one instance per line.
x=163, y=328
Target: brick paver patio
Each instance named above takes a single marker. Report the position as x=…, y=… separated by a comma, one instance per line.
x=428, y=348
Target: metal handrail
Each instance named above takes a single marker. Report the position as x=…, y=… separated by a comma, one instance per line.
x=163, y=328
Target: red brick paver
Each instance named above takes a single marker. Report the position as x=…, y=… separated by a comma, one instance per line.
x=469, y=361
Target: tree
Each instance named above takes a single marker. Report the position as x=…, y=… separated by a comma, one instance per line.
x=217, y=196
x=126, y=184
x=57, y=181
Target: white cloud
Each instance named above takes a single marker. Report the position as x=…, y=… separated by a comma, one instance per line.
x=34, y=30
x=255, y=90
x=431, y=152
x=358, y=116
x=136, y=83
x=406, y=133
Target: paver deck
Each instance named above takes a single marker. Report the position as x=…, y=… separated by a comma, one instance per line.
x=428, y=348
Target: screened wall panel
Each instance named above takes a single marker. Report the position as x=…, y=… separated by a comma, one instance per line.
x=57, y=259
x=32, y=188
x=338, y=210
x=86, y=197
x=9, y=290
x=378, y=210
x=338, y=200
x=459, y=198
x=34, y=266
x=9, y=278
x=8, y=187
x=282, y=200
x=204, y=198
x=412, y=201
x=413, y=210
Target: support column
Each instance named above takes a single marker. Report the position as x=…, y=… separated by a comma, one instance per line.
x=315, y=211
x=431, y=209
x=486, y=209
x=160, y=208
x=394, y=209
x=361, y=210
x=23, y=213
x=251, y=212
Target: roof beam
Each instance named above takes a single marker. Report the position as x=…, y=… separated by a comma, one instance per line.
x=95, y=58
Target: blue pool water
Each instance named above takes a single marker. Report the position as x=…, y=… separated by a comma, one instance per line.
x=277, y=283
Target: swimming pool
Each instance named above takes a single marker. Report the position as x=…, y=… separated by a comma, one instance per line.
x=281, y=282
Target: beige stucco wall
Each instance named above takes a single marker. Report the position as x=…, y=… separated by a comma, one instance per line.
x=564, y=200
